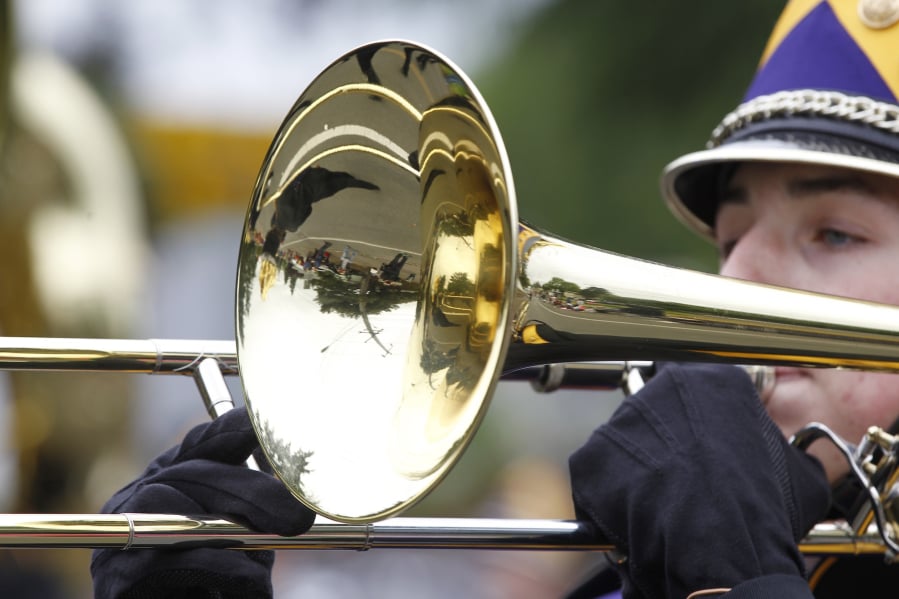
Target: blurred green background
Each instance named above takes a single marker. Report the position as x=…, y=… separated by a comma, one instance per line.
x=593, y=98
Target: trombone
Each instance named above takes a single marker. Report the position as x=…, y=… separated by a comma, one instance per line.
x=383, y=254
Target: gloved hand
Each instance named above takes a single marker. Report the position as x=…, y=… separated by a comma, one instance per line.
x=697, y=486
x=204, y=475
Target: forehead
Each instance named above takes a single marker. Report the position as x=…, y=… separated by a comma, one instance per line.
x=803, y=180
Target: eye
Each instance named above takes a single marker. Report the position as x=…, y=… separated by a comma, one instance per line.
x=836, y=238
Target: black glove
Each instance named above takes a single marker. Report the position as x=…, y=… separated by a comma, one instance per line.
x=697, y=486
x=204, y=475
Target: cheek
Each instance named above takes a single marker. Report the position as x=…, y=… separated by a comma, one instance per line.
x=867, y=270
x=850, y=404
x=858, y=401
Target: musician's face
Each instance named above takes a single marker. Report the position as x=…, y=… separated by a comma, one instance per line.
x=820, y=229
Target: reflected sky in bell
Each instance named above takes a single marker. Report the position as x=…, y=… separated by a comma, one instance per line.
x=362, y=371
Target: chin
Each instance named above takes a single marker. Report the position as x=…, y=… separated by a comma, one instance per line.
x=790, y=409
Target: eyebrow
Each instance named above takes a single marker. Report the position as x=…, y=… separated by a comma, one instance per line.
x=804, y=187
x=814, y=185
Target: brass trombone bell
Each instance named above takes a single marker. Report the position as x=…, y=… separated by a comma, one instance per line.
x=385, y=283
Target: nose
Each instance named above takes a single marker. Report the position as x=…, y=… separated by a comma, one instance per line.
x=759, y=256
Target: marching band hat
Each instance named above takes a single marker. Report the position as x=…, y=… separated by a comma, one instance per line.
x=826, y=92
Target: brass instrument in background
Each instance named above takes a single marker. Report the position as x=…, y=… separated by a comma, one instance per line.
x=73, y=241
x=73, y=248
x=384, y=286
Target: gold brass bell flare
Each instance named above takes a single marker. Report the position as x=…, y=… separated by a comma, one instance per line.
x=384, y=206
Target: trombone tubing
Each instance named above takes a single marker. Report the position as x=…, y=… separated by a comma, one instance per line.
x=149, y=531
x=141, y=531
x=183, y=356
x=150, y=356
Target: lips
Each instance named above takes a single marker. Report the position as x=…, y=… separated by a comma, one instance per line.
x=782, y=375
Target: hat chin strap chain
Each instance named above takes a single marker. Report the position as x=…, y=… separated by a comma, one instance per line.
x=874, y=465
x=810, y=103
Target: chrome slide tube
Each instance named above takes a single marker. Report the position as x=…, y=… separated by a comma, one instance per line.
x=150, y=356
x=148, y=531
